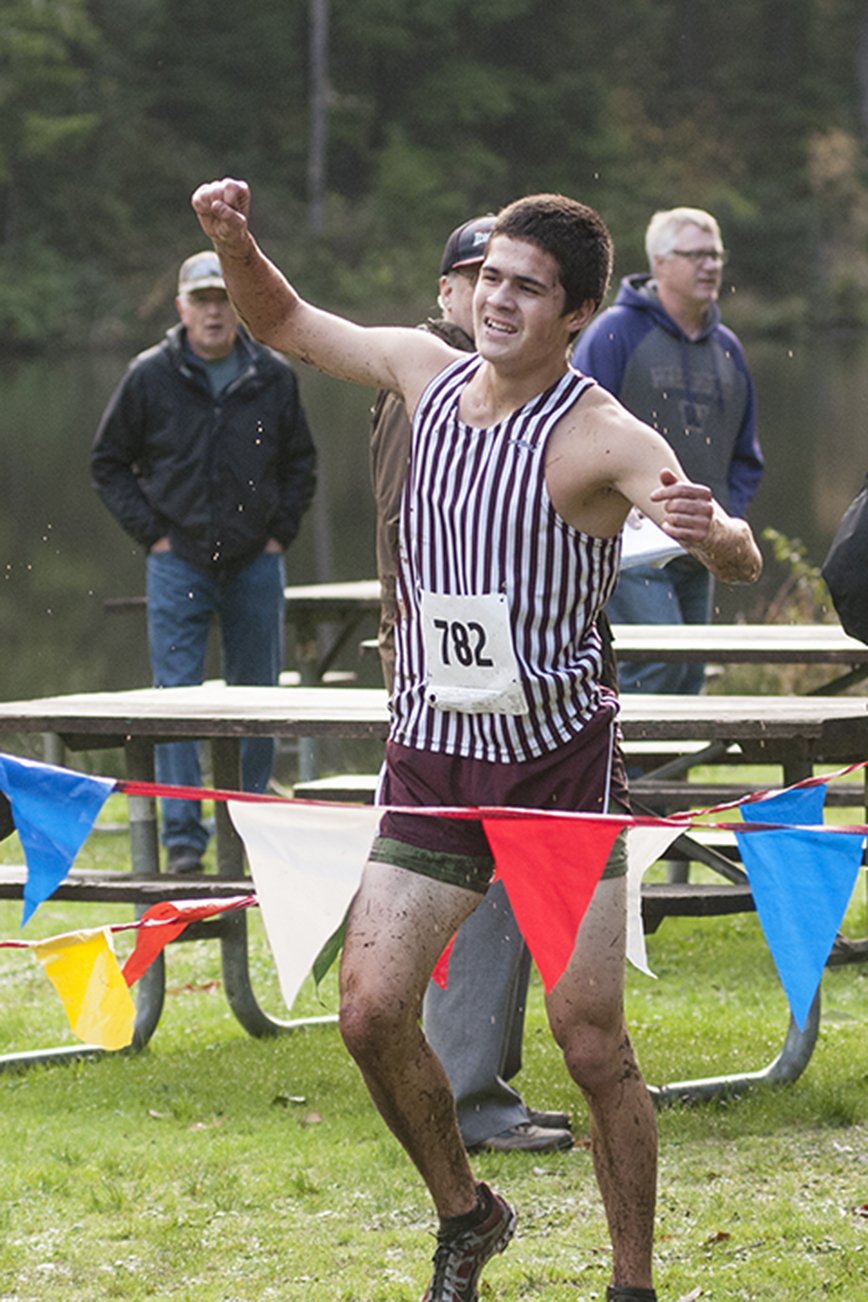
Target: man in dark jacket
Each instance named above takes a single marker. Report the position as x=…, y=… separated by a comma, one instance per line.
x=663, y=351
x=204, y=457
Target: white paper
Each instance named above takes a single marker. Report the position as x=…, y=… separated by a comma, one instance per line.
x=469, y=653
x=644, y=543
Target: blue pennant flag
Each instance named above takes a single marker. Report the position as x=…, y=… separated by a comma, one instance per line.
x=54, y=810
x=802, y=882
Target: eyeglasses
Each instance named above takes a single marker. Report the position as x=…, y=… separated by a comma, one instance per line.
x=702, y=255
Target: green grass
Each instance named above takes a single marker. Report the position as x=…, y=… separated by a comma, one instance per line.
x=217, y=1167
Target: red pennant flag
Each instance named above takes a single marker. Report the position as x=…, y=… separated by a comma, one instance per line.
x=550, y=868
x=171, y=917
x=440, y=975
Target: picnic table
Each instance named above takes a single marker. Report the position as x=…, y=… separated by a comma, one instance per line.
x=748, y=644
x=792, y=732
x=324, y=617
x=344, y=605
x=310, y=608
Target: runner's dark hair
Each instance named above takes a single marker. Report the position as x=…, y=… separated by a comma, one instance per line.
x=574, y=234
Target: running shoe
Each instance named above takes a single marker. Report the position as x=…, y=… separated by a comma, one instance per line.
x=460, y=1256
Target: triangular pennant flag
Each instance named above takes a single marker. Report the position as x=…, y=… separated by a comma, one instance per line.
x=7, y=822
x=550, y=868
x=306, y=861
x=54, y=811
x=801, y=883
x=440, y=975
x=151, y=941
x=329, y=953
x=645, y=845
x=171, y=917
x=84, y=971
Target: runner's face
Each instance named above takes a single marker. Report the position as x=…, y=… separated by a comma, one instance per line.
x=210, y=321
x=518, y=306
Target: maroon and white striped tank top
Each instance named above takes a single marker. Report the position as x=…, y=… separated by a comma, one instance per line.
x=477, y=519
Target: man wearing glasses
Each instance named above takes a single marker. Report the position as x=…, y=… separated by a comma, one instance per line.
x=663, y=351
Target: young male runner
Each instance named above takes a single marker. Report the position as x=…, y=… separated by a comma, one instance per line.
x=475, y=1025
x=521, y=475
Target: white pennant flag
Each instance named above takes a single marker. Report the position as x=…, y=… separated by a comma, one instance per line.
x=306, y=862
x=645, y=845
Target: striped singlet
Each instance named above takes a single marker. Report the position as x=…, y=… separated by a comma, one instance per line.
x=477, y=519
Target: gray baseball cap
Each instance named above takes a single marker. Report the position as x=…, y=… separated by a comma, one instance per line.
x=201, y=271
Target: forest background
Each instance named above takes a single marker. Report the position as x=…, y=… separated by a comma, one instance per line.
x=368, y=128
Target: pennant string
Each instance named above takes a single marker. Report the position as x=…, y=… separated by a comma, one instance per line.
x=751, y=798
x=682, y=820
x=231, y=904
x=568, y=855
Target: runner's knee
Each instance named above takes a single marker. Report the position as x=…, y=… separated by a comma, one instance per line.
x=372, y=1027
x=597, y=1057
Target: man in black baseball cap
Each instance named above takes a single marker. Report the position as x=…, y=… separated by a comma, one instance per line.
x=466, y=245
x=390, y=431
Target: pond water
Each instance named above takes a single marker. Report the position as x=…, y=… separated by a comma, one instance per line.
x=61, y=553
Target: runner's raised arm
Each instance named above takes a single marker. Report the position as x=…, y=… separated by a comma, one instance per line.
x=395, y=358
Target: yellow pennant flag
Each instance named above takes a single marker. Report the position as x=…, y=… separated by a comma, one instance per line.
x=82, y=967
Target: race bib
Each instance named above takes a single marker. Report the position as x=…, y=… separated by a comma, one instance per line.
x=470, y=657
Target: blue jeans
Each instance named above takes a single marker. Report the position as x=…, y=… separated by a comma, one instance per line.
x=677, y=593
x=182, y=603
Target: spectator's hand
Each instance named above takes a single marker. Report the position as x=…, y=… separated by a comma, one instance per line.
x=273, y=546
x=222, y=208
x=689, y=508
x=161, y=545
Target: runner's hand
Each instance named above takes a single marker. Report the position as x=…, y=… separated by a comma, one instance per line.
x=222, y=208
x=689, y=508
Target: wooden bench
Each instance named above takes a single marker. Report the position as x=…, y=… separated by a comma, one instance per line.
x=671, y=797
x=107, y=887
x=91, y=886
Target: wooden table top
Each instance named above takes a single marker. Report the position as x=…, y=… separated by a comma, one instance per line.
x=835, y=727
x=740, y=643
x=324, y=599
x=734, y=643
x=210, y=710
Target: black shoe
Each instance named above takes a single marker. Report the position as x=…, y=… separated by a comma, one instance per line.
x=549, y=1120
x=183, y=859
x=460, y=1256
x=526, y=1138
